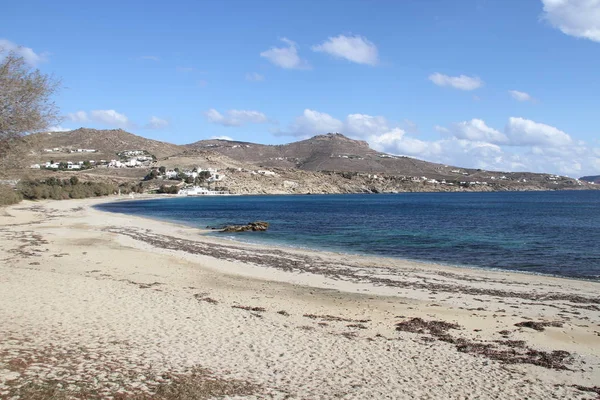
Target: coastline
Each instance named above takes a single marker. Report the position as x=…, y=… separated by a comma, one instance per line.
x=180, y=300
x=210, y=233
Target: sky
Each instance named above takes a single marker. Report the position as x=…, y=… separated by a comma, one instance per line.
x=509, y=85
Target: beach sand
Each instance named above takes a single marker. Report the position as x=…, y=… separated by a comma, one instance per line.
x=117, y=306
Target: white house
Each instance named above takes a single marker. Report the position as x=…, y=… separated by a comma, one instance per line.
x=35, y=166
x=73, y=166
x=132, y=152
x=169, y=174
x=115, y=164
x=215, y=178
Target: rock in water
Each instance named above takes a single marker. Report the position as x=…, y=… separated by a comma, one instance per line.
x=251, y=226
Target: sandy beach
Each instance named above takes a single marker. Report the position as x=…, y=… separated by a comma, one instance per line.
x=115, y=306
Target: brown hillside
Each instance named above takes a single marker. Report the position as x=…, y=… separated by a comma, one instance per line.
x=331, y=152
x=108, y=142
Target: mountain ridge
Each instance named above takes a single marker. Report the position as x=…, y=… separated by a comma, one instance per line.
x=329, y=163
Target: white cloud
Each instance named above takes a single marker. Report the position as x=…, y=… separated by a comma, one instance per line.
x=31, y=57
x=518, y=132
x=476, y=130
x=462, y=82
x=151, y=58
x=157, y=123
x=254, y=77
x=105, y=117
x=363, y=124
x=285, y=57
x=357, y=49
x=185, y=69
x=235, y=117
x=579, y=18
x=79, y=116
x=523, y=132
x=222, y=138
x=520, y=96
x=109, y=117
x=441, y=129
x=312, y=123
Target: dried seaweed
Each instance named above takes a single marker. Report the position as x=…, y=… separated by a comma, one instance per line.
x=540, y=325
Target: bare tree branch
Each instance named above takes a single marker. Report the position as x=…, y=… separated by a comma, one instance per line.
x=26, y=104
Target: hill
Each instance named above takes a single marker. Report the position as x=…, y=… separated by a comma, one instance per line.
x=107, y=142
x=331, y=163
x=330, y=152
x=592, y=178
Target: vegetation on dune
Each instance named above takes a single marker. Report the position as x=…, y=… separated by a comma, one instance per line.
x=9, y=196
x=62, y=189
x=173, y=189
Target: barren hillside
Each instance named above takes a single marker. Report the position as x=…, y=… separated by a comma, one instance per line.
x=108, y=142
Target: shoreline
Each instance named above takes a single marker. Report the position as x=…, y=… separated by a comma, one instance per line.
x=167, y=300
x=282, y=246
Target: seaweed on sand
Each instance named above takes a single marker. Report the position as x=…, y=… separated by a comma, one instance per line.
x=504, y=351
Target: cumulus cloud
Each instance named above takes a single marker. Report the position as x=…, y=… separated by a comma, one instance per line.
x=520, y=96
x=254, y=77
x=357, y=49
x=578, y=18
x=286, y=57
x=518, y=132
x=109, y=117
x=361, y=124
x=79, y=116
x=31, y=57
x=222, y=138
x=104, y=117
x=235, y=117
x=523, y=132
x=312, y=123
x=462, y=82
x=157, y=123
x=477, y=131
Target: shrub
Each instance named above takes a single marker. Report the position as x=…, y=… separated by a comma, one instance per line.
x=53, y=188
x=9, y=196
x=168, y=189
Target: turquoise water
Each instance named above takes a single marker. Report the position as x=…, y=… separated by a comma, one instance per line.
x=554, y=233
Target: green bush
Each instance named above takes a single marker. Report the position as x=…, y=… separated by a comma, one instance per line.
x=9, y=196
x=53, y=188
x=168, y=189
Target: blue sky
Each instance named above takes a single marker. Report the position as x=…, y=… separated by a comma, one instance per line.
x=496, y=84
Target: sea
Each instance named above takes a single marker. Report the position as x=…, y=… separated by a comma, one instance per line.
x=551, y=233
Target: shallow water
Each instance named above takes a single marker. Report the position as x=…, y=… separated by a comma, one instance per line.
x=554, y=233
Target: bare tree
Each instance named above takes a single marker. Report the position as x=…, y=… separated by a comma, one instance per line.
x=26, y=104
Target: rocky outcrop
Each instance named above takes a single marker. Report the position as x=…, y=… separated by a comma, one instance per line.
x=257, y=226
